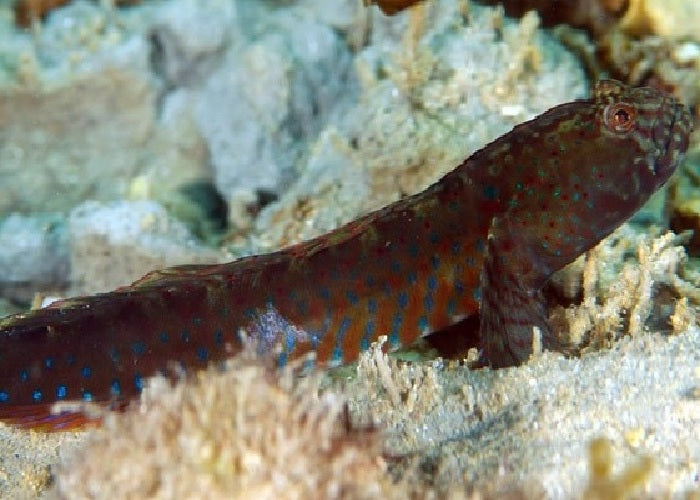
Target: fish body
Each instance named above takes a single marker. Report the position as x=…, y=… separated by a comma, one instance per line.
x=483, y=239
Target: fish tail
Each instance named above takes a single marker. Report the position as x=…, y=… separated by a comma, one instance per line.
x=100, y=349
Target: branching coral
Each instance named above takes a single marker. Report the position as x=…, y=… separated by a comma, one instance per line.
x=621, y=300
x=413, y=387
x=242, y=433
x=603, y=484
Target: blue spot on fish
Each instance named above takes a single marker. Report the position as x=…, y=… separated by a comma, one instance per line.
x=372, y=306
x=218, y=337
x=114, y=355
x=282, y=360
x=138, y=348
x=115, y=388
x=202, y=353
x=491, y=192
x=428, y=303
x=344, y=325
x=451, y=307
x=402, y=300
x=36, y=395
x=337, y=350
x=396, y=325
x=432, y=282
x=423, y=323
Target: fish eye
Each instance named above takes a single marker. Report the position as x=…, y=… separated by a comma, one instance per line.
x=620, y=117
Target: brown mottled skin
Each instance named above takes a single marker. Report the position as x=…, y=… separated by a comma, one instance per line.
x=485, y=238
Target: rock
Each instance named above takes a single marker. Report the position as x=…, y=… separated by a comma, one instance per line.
x=270, y=97
x=34, y=255
x=78, y=140
x=188, y=37
x=430, y=96
x=115, y=244
x=82, y=112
